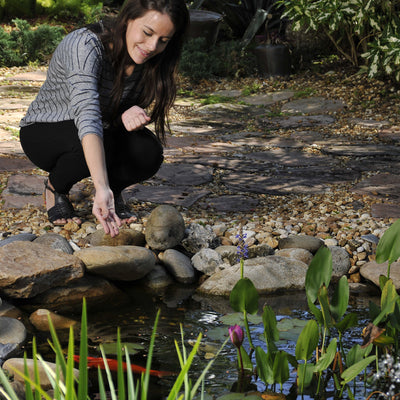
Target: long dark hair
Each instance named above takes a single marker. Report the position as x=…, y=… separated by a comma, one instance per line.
x=159, y=72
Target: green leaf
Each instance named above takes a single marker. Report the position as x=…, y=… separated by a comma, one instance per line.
x=132, y=348
x=326, y=359
x=83, y=354
x=389, y=297
x=271, y=332
x=237, y=319
x=388, y=248
x=244, y=296
x=304, y=375
x=347, y=322
x=307, y=341
x=350, y=373
x=264, y=366
x=340, y=298
x=281, y=367
x=324, y=303
x=357, y=353
x=319, y=273
x=247, y=364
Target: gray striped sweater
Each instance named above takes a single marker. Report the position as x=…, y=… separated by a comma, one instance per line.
x=78, y=86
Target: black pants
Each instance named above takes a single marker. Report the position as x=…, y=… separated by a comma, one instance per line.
x=131, y=157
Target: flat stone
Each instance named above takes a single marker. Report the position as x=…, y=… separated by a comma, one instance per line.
x=384, y=210
x=290, y=157
x=184, y=196
x=29, y=269
x=268, y=98
x=11, y=147
x=14, y=104
x=362, y=150
x=228, y=93
x=296, y=122
x=313, y=105
x=230, y=203
x=185, y=174
x=15, y=164
x=36, y=76
x=368, y=123
x=381, y=185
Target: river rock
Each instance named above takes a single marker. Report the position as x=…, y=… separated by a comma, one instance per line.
x=18, y=364
x=9, y=310
x=68, y=298
x=126, y=237
x=340, y=262
x=55, y=241
x=309, y=243
x=199, y=237
x=178, y=265
x=26, y=237
x=165, y=228
x=122, y=263
x=158, y=278
x=372, y=270
x=40, y=320
x=268, y=274
x=228, y=254
x=302, y=255
x=12, y=336
x=207, y=261
x=30, y=268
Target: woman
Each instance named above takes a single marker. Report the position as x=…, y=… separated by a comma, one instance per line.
x=89, y=118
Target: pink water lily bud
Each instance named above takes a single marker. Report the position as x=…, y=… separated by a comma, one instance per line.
x=237, y=335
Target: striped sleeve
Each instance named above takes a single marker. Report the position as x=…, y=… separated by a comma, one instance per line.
x=82, y=58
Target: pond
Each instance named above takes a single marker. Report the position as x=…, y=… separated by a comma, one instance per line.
x=181, y=306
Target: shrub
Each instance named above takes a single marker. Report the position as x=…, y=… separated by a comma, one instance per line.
x=359, y=29
x=25, y=44
x=225, y=59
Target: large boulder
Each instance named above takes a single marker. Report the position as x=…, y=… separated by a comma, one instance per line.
x=268, y=274
x=122, y=263
x=28, y=269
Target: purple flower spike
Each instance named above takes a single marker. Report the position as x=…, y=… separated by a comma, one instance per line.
x=237, y=335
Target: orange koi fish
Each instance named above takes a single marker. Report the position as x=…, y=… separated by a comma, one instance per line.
x=94, y=362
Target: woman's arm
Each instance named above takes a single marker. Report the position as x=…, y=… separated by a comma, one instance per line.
x=103, y=203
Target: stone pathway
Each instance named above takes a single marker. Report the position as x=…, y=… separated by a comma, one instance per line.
x=234, y=157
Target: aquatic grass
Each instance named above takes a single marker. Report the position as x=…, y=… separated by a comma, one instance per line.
x=64, y=383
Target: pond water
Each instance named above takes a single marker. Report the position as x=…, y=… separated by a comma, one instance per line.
x=181, y=306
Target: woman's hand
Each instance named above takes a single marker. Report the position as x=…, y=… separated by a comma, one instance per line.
x=135, y=118
x=104, y=211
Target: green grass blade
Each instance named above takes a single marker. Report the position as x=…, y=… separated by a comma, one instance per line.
x=70, y=378
x=35, y=368
x=56, y=346
x=179, y=380
x=102, y=390
x=121, y=375
x=132, y=395
x=109, y=376
x=8, y=391
x=28, y=387
x=83, y=354
x=145, y=384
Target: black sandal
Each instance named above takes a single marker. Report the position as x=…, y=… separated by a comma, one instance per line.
x=122, y=209
x=62, y=208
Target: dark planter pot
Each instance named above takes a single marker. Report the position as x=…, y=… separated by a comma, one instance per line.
x=273, y=59
x=205, y=24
